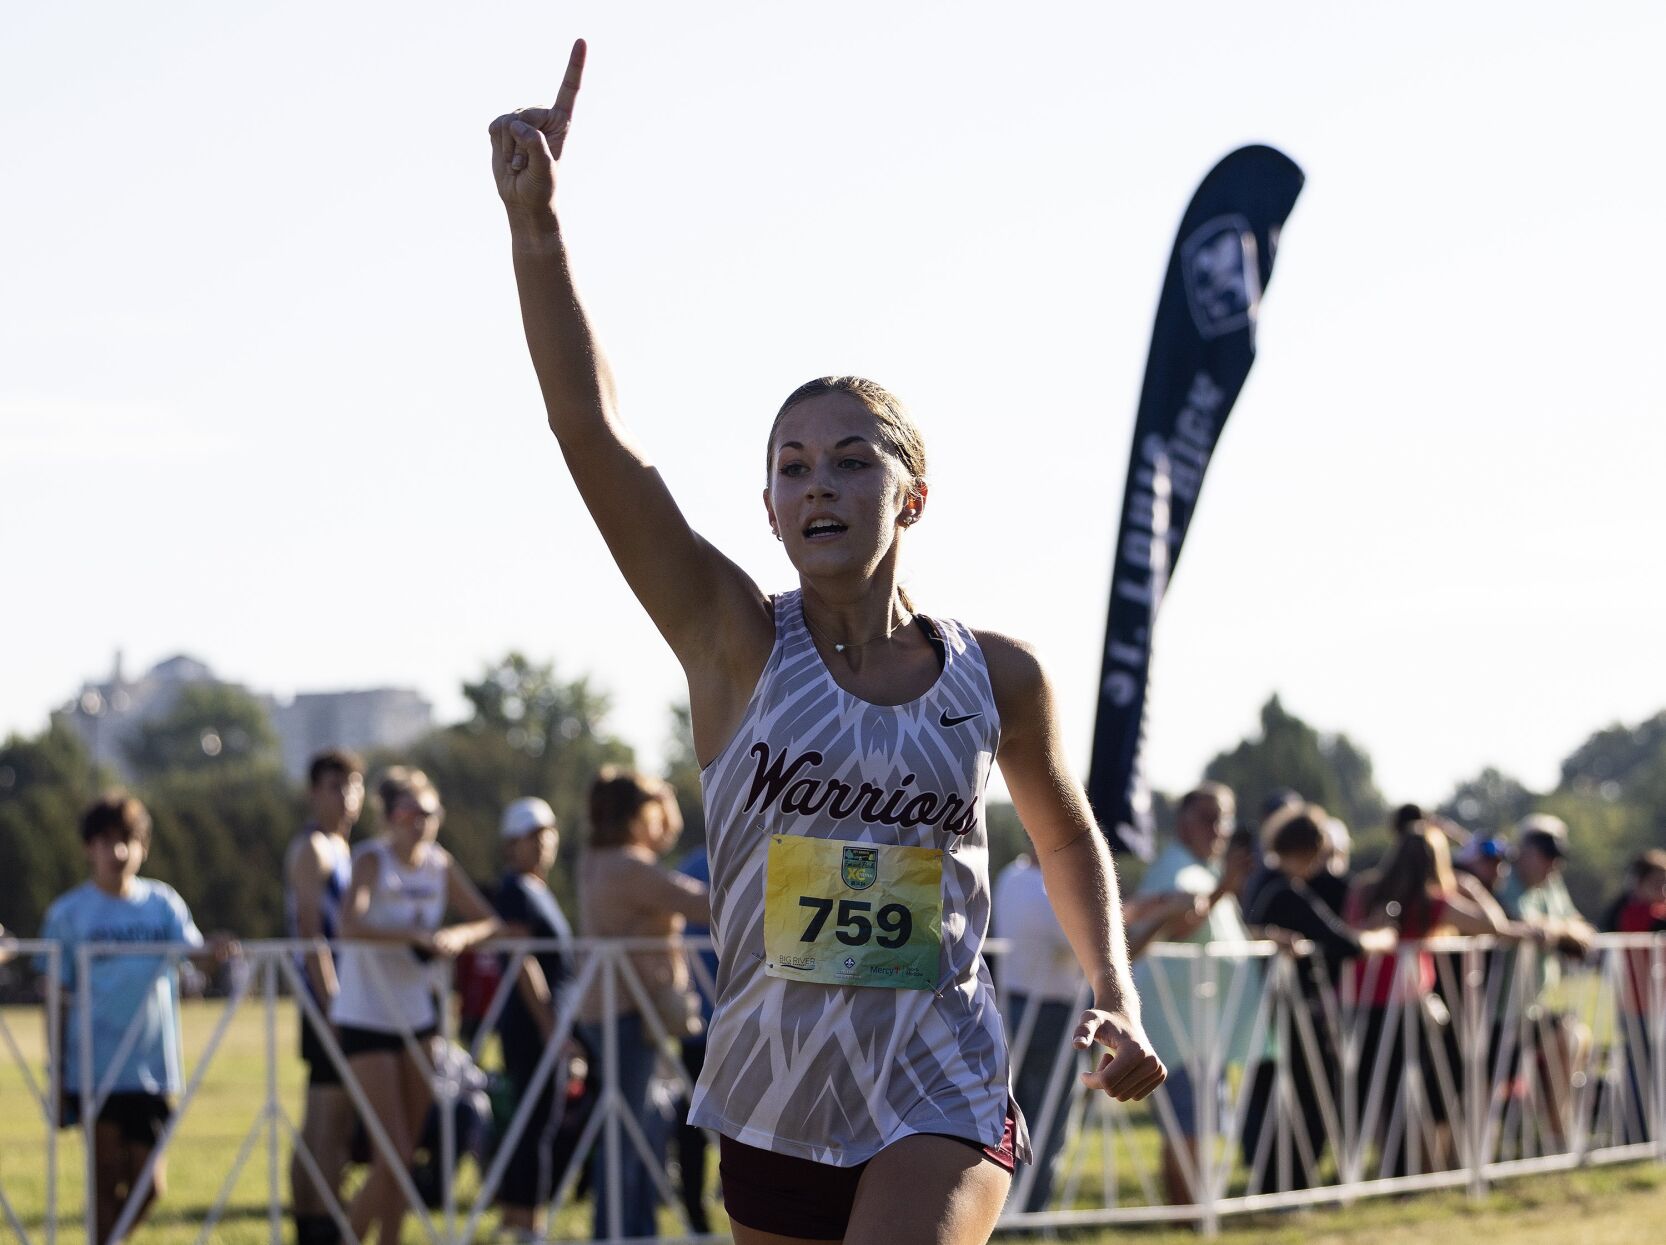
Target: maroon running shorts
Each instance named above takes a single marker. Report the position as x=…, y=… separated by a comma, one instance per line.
x=799, y=1197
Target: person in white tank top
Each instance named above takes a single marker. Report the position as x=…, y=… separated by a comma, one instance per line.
x=854, y=1053
x=394, y=944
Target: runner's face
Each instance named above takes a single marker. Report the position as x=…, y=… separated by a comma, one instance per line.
x=535, y=852
x=337, y=799
x=1533, y=866
x=1203, y=828
x=114, y=861
x=416, y=819
x=650, y=830
x=836, y=494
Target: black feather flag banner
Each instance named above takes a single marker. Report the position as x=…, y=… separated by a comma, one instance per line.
x=1202, y=345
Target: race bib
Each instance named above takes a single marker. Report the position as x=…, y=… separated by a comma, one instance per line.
x=853, y=914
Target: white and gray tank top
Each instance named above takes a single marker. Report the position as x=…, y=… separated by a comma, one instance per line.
x=389, y=988
x=834, y=1073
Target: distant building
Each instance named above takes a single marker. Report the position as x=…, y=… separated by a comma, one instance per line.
x=382, y=717
x=106, y=714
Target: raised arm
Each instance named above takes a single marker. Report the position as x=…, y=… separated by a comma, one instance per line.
x=1075, y=864
x=706, y=607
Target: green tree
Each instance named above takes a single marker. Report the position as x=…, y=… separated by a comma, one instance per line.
x=43, y=788
x=210, y=725
x=1490, y=803
x=1617, y=758
x=1330, y=770
x=218, y=836
x=529, y=733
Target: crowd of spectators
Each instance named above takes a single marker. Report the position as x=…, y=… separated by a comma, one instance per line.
x=405, y=913
x=1363, y=979
x=381, y=924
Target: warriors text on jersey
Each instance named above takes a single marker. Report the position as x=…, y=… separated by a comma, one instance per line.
x=813, y=1067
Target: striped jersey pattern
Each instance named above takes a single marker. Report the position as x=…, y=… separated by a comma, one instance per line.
x=835, y=1073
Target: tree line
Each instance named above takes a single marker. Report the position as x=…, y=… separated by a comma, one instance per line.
x=224, y=810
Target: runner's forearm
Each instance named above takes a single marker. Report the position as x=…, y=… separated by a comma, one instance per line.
x=573, y=374
x=1081, y=883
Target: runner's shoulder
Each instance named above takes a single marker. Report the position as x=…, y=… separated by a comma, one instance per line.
x=1014, y=667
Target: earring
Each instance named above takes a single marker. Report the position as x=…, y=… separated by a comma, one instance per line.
x=777, y=532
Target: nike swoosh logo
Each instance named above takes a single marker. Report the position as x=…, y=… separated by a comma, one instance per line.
x=946, y=720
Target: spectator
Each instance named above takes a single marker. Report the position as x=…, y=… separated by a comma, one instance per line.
x=624, y=893
x=1416, y=895
x=1262, y=871
x=1190, y=865
x=1487, y=860
x=135, y=992
x=1640, y=909
x=1041, y=981
x=1332, y=883
x=1535, y=895
x=402, y=884
x=317, y=870
x=1299, y=845
x=528, y=910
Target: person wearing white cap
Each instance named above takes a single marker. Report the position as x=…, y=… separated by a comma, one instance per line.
x=528, y=910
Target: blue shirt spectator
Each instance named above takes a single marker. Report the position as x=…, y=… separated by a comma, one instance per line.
x=126, y=989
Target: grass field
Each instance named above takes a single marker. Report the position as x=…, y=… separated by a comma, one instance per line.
x=1617, y=1204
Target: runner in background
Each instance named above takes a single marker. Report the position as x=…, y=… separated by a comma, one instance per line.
x=394, y=941
x=317, y=869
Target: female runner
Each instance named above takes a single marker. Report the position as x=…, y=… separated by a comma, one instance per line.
x=856, y=1068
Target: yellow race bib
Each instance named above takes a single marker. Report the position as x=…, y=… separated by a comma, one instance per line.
x=853, y=914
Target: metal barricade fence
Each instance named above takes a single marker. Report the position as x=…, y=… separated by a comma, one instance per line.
x=37, y=1078
x=1454, y=1062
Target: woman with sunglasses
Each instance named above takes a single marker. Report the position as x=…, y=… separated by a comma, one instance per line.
x=385, y=1012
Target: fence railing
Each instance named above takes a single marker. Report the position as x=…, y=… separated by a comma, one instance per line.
x=1454, y=1062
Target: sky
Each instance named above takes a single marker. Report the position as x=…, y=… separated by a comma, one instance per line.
x=264, y=397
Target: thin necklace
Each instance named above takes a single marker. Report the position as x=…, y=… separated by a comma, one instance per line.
x=839, y=648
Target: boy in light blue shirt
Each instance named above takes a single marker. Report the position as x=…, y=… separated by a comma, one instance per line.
x=138, y=992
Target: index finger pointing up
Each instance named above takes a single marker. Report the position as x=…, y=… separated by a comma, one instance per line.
x=561, y=115
x=569, y=84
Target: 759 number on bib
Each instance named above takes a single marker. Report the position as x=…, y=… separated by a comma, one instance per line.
x=854, y=929
x=853, y=914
